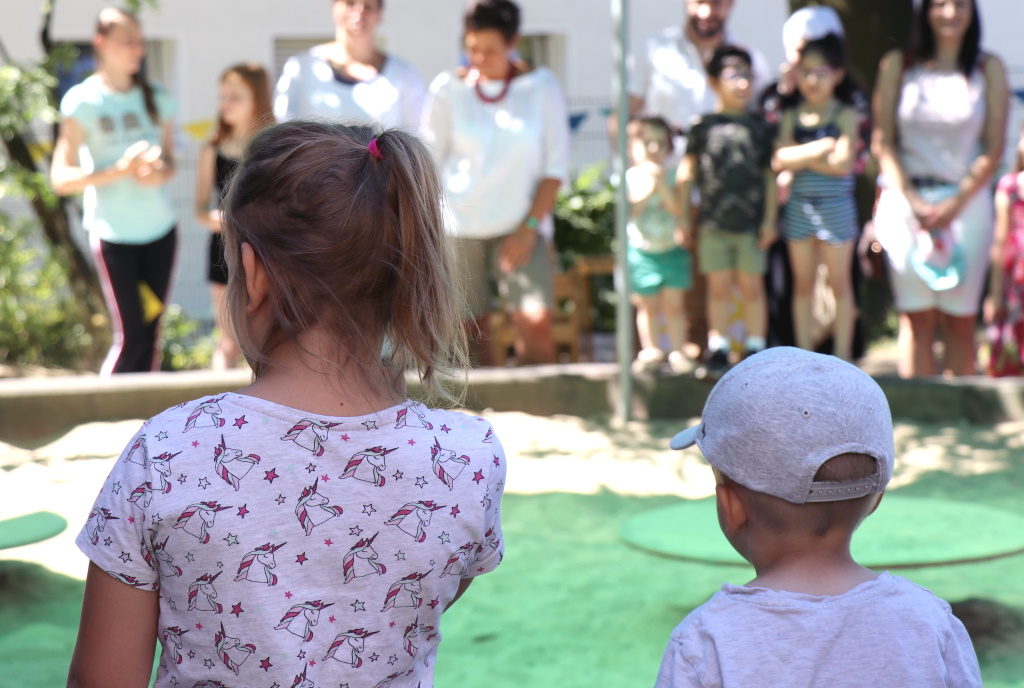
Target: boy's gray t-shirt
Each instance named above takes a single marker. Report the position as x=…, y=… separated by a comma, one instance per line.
x=886, y=632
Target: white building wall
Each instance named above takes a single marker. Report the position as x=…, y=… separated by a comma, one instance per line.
x=199, y=38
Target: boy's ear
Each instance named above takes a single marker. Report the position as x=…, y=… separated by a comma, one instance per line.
x=732, y=512
x=256, y=280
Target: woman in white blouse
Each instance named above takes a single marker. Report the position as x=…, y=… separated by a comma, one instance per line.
x=500, y=134
x=348, y=80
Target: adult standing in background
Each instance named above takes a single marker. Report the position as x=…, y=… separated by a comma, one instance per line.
x=669, y=80
x=500, y=134
x=124, y=124
x=940, y=126
x=349, y=80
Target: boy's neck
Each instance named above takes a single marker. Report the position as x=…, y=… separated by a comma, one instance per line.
x=810, y=569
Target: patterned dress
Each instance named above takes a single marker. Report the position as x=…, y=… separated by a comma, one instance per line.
x=296, y=549
x=1007, y=334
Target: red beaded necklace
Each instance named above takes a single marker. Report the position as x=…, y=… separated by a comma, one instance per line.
x=504, y=89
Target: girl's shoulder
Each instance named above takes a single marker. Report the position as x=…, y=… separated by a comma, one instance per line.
x=1009, y=184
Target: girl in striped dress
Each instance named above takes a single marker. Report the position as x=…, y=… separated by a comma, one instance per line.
x=817, y=146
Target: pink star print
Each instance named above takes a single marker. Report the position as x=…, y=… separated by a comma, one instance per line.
x=478, y=476
x=236, y=609
x=455, y=511
x=345, y=437
x=242, y=511
x=301, y=559
x=265, y=664
x=239, y=422
x=195, y=443
x=445, y=428
x=270, y=475
x=199, y=626
x=497, y=461
x=412, y=442
x=434, y=602
x=328, y=542
x=325, y=477
x=288, y=594
x=331, y=619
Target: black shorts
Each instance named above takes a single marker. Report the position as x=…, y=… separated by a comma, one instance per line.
x=217, y=270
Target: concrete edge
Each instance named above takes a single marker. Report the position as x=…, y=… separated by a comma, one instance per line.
x=34, y=410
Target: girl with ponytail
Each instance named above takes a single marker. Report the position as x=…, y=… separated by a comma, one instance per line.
x=335, y=244
x=124, y=124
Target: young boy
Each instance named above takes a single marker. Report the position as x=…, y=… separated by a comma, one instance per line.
x=801, y=445
x=728, y=158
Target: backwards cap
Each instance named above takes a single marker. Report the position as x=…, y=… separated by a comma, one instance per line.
x=775, y=418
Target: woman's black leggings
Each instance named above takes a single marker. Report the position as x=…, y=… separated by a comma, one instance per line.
x=123, y=269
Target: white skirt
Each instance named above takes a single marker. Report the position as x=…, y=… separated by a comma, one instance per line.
x=973, y=230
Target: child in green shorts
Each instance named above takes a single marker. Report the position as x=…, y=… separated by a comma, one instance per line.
x=728, y=158
x=659, y=264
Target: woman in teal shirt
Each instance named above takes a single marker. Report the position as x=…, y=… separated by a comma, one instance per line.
x=122, y=123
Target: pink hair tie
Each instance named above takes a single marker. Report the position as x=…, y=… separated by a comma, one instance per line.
x=374, y=149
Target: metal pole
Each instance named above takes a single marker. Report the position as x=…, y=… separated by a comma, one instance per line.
x=624, y=313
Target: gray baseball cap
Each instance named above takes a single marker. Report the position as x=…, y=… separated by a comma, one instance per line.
x=775, y=418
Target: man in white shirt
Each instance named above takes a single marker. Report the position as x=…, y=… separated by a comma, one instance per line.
x=668, y=77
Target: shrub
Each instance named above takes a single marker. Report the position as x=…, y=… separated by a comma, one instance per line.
x=186, y=343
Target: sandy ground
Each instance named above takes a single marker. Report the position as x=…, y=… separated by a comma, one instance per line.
x=548, y=454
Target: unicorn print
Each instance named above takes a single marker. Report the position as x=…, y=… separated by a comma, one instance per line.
x=256, y=565
x=231, y=465
x=447, y=466
x=138, y=453
x=420, y=421
x=301, y=681
x=231, y=650
x=310, y=434
x=131, y=580
x=458, y=563
x=405, y=592
x=197, y=518
x=355, y=638
x=367, y=465
x=300, y=619
x=202, y=597
x=489, y=539
x=313, y=508
x=206, y=415
x=413, y=518
x=361, y=560
x=162, y=465
x=172, y=641
x=97, y=522
x=386, y=682
x=209, y=684
x=412, y=631
x=142, y=495
x=159, y=559
x=488, y=436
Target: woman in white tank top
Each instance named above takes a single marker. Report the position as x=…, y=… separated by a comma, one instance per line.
x=940, y=120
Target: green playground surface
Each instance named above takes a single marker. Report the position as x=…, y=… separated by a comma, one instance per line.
x=576, y=605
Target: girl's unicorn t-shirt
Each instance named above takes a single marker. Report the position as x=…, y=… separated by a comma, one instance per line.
x=297, y=549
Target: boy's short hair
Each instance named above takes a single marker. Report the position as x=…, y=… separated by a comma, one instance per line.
x=774, y=421
x=727, y=55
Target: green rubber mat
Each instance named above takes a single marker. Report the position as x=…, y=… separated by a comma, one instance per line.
x=35, y=527
x=903, y=532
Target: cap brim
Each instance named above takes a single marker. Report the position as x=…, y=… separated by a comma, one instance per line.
x=686, y=438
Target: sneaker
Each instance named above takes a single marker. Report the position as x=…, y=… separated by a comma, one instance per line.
x=679, y=363
x=648, y=360
x=714, y=366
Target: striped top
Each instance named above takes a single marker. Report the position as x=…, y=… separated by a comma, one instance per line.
x=820, y=205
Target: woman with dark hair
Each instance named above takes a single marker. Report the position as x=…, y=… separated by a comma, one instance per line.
x=500, y=135
x=123, y=123
x=349, y=80
x=940, y=119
